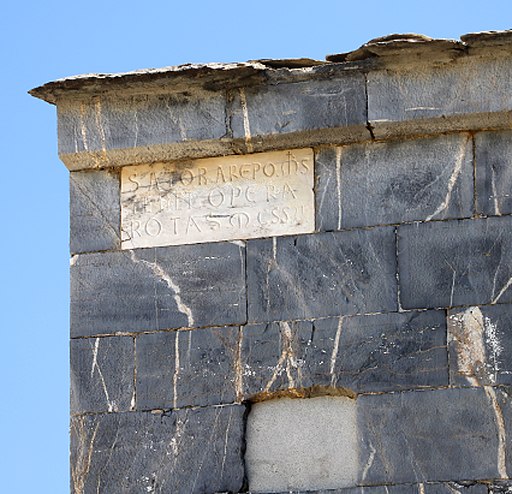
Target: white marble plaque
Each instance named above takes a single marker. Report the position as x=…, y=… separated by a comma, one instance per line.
x=226, y=198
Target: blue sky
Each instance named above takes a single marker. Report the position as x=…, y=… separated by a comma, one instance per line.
x=42, y=41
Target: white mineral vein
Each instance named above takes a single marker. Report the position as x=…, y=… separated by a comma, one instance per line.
x=247, y=128
x=96, y=367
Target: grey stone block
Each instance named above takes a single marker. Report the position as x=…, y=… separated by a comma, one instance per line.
x=283, y=108
x=394, y=182
x=445, y=264
x=185, y=452
x=494, y=173
x=102, y=374
x=148, y=289
x=429, y=436
x=324, y=274
x=289, y=448
x=467, y=86
x=360, y=353
x=201, y=373
x=480, y=343
x=95, y=211
x=107, y=122
x=426, y=488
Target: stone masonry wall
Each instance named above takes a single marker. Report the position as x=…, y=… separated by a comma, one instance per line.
x=399, y=298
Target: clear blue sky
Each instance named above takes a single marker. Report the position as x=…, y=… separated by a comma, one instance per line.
x=45, y=40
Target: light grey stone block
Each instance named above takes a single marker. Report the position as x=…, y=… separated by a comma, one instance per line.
x=302, y=444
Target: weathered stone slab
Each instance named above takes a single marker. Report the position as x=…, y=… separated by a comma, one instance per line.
x=494, y=173
x=319, y=275
x=429, y=436
x=233, y=197
x=108, y=122
x=187, y=368
x=374, y=353
x=422, y=488
x=281, y=108
x=288, y=447
x=95, y=218
x=420, y=98
x=183, y=452
x=102, y=374
x=480, y=343
x=159, y=288
x=445, y=264
x=394, y=182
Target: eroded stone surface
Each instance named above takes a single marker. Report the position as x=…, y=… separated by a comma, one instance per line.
x=321, y=275
x=187, y=368
x=494, y=173
x=233, y=197
x=102, y=374
x=481, y=345
x=430, y=435
x=184, y=452
x=289, y=448
x=394, y=182
x=158, y=288
x=445, y=264
x=95, y=217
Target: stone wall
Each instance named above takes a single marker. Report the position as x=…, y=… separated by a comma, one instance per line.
x=385, y=305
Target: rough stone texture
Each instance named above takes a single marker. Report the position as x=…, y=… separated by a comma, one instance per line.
x=110, y=122
x=95, y=217
x=361, y=353
x=481, y=345
x=288, y=447
x=416, y=95
x=445, y=264
x=201, y=373
x=426, y=488
x=430, y=436
x=148, y=289
x=493, y=173
x=102, y=374
x=324, y=274
x=184, y=452
x=299, y=106
x=393, y=182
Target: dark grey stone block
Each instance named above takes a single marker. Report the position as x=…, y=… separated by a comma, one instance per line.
x=481, y=345
x=102, y=374
x=115, y=123
x=429, y=436
x=426, y=488
x=395, y=182
x=95, y=214
x=324, y=274
x=494, y=173
x=360, y=353
x=299, y=106
x=167, y=287
x=184, y=452
x=202, y=373
x=445, y=264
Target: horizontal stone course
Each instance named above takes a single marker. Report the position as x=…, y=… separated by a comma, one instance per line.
x=323, y=274
x=102, y=374
x=184, y=452
x=430, y=436
x=451, y=263
x=149, y=289
x=394, y=182
x=95, y=215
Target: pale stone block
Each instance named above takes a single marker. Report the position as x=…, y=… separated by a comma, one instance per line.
x=227, y=198
x=302, y=444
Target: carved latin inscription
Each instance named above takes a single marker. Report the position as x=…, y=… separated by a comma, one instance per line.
x=227, y=198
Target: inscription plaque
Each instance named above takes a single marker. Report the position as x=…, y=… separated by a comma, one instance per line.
x=226, y=198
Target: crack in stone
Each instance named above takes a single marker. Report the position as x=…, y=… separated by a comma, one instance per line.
x=245, y=113
x=110, y=405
